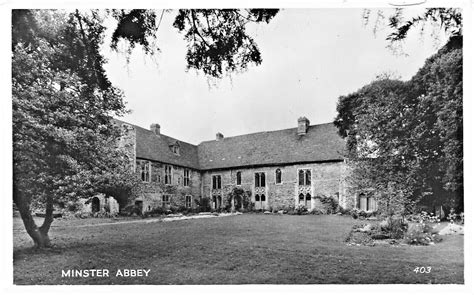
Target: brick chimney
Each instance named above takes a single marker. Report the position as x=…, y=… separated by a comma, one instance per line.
x=219, y=136
x=155, y=127
x=303, y=124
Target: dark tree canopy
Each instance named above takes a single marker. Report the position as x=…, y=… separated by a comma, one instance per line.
x=217, y=40
x=64, y=138
x=406, y=137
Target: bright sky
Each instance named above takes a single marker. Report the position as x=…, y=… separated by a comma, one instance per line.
x=310, y=58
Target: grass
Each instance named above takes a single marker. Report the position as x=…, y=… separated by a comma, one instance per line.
x=245, y=249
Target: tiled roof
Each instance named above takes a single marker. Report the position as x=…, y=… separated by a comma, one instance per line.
x=321, y=143
x=152, y=147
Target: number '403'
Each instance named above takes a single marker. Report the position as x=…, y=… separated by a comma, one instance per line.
x=422, y=269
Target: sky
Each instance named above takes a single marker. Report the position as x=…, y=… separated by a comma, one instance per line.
x=310, y=58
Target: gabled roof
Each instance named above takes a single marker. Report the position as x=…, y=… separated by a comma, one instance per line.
x=321, y=143
x=157, y=148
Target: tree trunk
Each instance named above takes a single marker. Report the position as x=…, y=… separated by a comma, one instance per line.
x=39, y=235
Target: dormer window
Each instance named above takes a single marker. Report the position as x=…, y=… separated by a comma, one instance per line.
x=175, y=148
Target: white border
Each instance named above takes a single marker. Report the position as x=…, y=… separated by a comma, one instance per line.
x=6, y=277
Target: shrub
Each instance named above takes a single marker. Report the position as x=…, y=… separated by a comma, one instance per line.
x=329, y=203
x=316, y=211
x=130, y=210
x=73, y=206
x=300, y=209
x=155, y=211
x=203, y=204
x=421, y=234
x=394, y=226
x=172, y=209
x=182, y=209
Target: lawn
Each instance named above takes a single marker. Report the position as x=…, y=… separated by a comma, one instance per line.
x=244, y=249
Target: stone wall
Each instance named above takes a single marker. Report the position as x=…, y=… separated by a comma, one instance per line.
x=326, y=179
x=153, y=191
x=99, y=204
x=127, y=142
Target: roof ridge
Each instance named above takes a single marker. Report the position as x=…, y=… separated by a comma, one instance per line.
x=261, y=132
x=161, y=134
x=212, y=140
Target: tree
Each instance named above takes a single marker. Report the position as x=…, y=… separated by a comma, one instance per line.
x=217, y=39
x=65, y=141
x=448, y=20
x=405, y=138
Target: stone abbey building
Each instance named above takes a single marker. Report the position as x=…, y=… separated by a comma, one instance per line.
x=280, y=168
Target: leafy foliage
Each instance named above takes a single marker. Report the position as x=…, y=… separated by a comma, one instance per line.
x=218, y=41
x=65, y=143
x=137, y=26
x=405, y=138
x=447, y=19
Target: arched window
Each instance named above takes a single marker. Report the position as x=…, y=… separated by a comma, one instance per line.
x=308, y=200
x=301, y=177
x=257, y=198
x=301, y=199
x=168, y=174
x=239, y=178
x=95, y=207
x=262, y=198
x=259, y=179
x=216, y=182
x=304, y=177
x=278, y=176
x=307, y=174
x=188, y=201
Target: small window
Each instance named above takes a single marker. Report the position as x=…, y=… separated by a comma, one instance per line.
x=216, y=182
x=301, y=177
x=262, y=198
x=188, y=202
x=168, y=174
x=301, y=199
x=367, y=203
x=307, y=175
x=257, y=198
x=165, y=200
x=175, y=148
x=308, y=200
x=186, y=177
x=239, y=178
x=278, y=176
